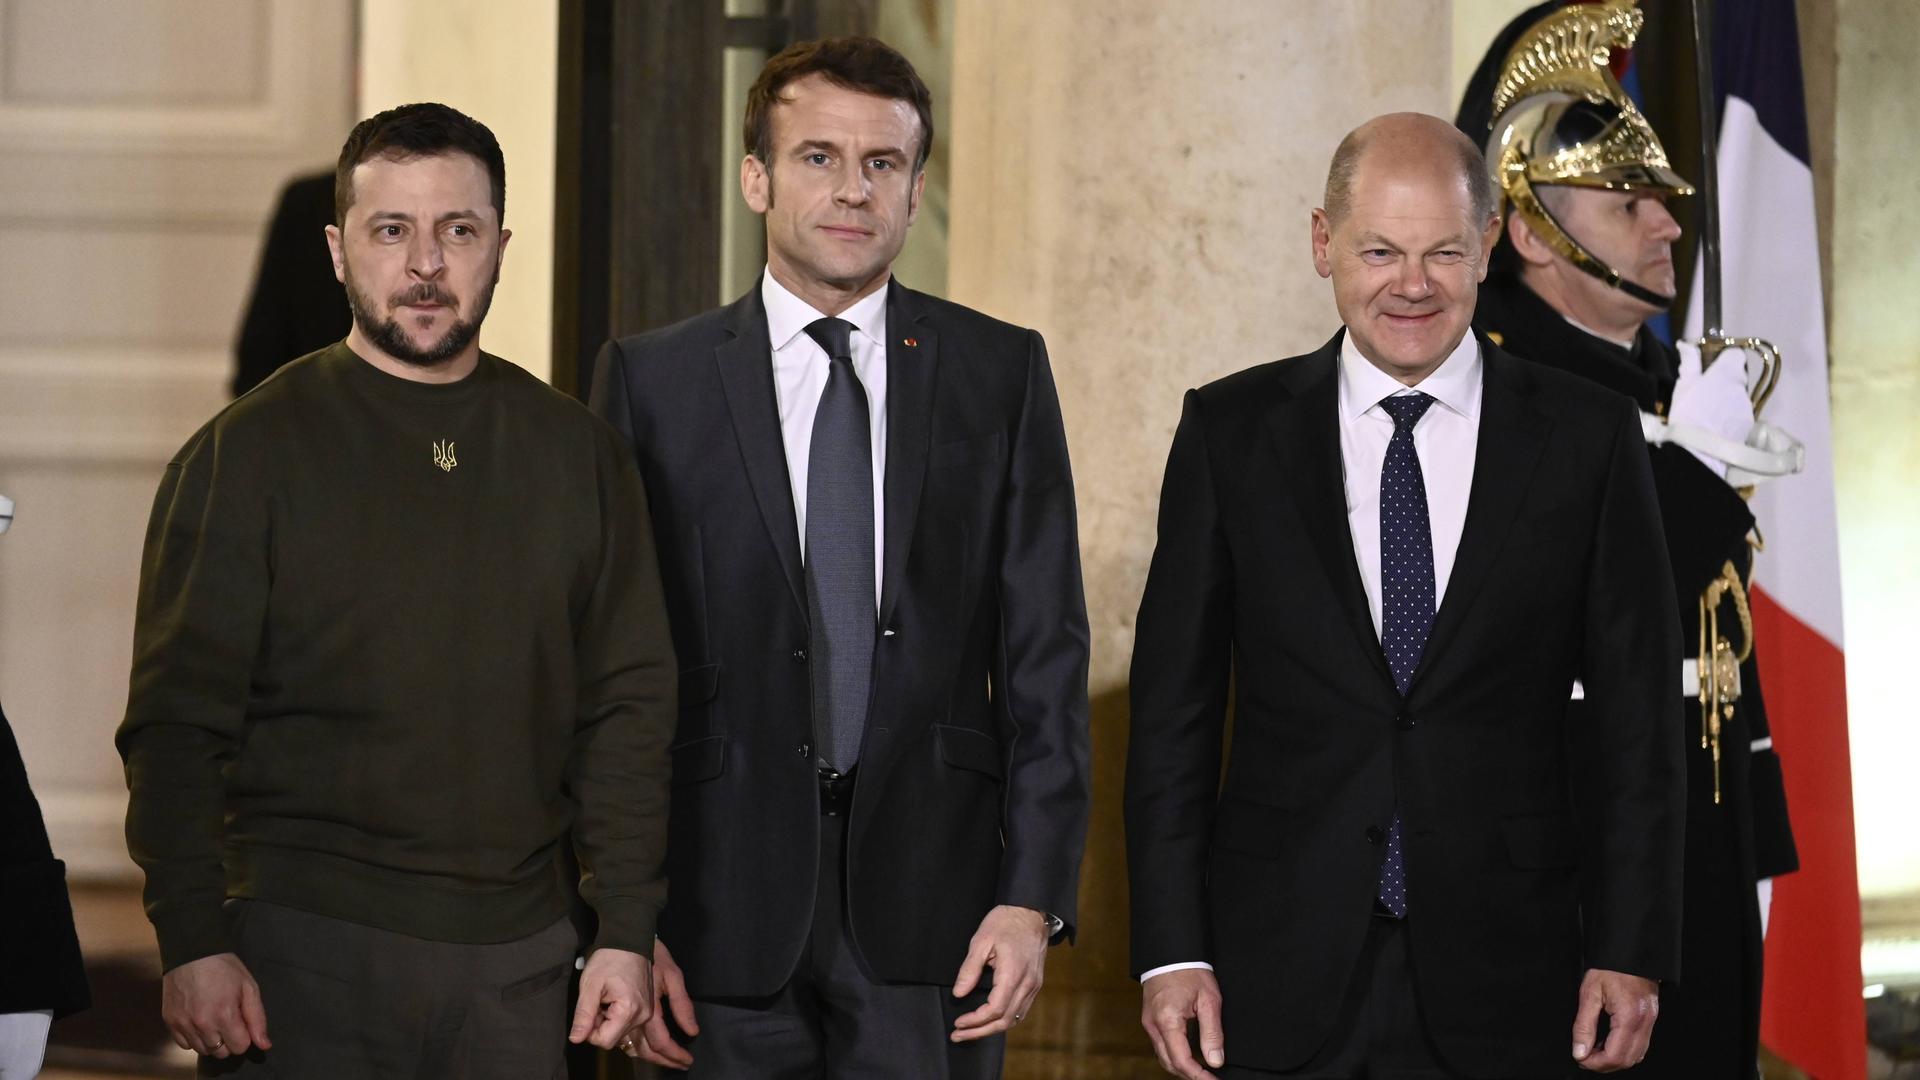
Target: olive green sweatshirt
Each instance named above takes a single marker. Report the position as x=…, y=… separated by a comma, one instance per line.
x=394, y=641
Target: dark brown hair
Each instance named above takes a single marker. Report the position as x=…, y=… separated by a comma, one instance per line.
x=422, y=130
x=866, y=64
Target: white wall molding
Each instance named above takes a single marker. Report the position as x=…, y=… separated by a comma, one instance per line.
x=81, y=408
x=291, y=42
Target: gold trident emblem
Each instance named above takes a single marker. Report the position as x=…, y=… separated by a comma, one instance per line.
x=443, y=455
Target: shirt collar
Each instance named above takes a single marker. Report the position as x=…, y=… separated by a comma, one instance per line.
x=1454, y=384
x=1591, y=332
x=788, y=316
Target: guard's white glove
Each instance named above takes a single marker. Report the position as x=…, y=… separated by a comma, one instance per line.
x=1714, y=401
x=23, y=1043
x=6, y=513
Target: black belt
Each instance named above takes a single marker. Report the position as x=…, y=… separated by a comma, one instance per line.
x=836, y=792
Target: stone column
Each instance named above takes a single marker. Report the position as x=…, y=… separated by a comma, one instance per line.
x=1133, y=179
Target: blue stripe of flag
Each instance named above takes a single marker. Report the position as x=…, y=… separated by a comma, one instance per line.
x=1756, y=57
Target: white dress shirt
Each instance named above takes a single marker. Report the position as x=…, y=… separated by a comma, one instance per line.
x=1446, y=438
x=23, y=1042
x=800, y=376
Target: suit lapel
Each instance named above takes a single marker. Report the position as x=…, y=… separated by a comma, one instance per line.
x=1305, y=426
x=746, y=373
x=910, y=381
x=1512, y=434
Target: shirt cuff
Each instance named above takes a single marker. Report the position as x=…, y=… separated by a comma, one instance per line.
x=1201, y=964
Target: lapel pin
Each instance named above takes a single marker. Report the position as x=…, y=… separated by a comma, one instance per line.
x=910, y=342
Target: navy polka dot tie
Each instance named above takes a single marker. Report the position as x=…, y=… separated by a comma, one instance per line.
x=1406, y=590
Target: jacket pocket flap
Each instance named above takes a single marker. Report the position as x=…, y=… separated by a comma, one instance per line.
x=1539, y=843
x=699, y=684
x=965, y=748
x=700, y=759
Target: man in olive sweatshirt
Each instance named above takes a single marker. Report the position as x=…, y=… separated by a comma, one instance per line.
x=400, y=634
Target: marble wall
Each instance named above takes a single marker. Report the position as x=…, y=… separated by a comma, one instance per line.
x=1134, y=179
x=1874, y=342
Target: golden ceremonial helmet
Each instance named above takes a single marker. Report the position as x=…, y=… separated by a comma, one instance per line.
x=1560, y=117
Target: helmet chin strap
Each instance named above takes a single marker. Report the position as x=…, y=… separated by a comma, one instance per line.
x=1555, y=235
x=1630, y=287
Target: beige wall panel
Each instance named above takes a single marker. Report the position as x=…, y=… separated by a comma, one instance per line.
x=184, y=105
x=199, y=53
x=84, y=287
x=68, y=638
x=142, y=143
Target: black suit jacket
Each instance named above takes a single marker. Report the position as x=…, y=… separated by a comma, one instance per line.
x=973, y=782
x=1534, y=849
x=40, y=965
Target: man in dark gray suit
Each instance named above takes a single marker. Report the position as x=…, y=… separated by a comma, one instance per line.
x=866, y=530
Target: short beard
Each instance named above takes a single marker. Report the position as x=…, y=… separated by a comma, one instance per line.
x=392, y=340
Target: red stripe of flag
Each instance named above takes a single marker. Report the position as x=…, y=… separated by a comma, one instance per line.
x=1813, y=938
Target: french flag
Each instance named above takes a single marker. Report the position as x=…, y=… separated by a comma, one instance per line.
x=1812, y=1013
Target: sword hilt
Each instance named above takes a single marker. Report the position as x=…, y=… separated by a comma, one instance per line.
x=1760, y=387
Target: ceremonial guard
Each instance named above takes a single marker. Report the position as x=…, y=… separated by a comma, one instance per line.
x=1584, y=261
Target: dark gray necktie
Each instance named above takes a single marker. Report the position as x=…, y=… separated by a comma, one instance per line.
x=1406, y=590
x=839, y=563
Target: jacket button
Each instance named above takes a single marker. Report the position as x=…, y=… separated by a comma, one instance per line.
x=799, y=656
x=1404, y=721
x=804, y=749
x=1375, y=834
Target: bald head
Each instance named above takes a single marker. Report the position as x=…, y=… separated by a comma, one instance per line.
x=1403, y=237
x=1408, y=144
